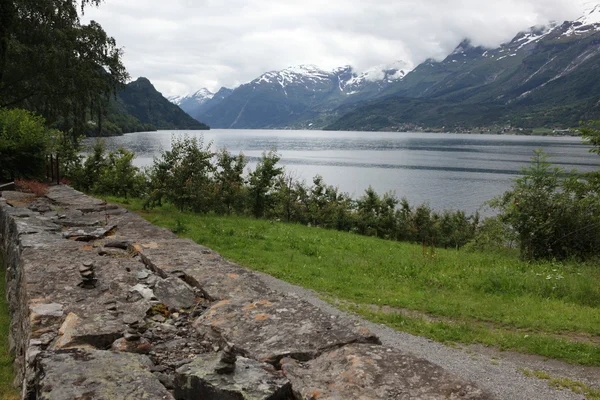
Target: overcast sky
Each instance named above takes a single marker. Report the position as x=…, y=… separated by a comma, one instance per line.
x=184, y=45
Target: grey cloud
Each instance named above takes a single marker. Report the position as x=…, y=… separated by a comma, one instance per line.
x=183, y=45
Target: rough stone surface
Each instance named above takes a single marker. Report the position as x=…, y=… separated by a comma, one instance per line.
x=202, y=268
x=166, y=316
x=17, y=198
x=92, y=374
x=374, y=372
x=251, y=380
x=272, y=328
x=175, y=293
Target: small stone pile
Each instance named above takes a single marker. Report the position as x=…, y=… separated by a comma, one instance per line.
x=226, y=364
x=132, y=340
x=132, y=333
x=88, y=275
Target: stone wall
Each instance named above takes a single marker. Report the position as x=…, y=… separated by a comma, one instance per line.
x=105, y=305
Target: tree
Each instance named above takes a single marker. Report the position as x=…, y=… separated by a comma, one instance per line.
x=183, y=176
x=53, y=65
x=262, y=183
x=591, y=134
x=555, y=214
x=230, y=181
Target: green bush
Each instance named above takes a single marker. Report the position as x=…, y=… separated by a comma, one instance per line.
x=119, y=177
x=183, y=176
x=261, y=184
x=192, y=178
x=555, y=214
x=110, y=174
x=492, y=235
x=25, y=143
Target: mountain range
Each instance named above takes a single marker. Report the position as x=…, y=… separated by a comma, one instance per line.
x=300, y=96
x=547, y=76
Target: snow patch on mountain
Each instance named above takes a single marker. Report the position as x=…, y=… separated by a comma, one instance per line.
x=175, y=99
x=203, y=94
x=347, y=80
x=534, y=34
x=294, y=75
x=590, y=21
x=199, y=97
x=383, y=74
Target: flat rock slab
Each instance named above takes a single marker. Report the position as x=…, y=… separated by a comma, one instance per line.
x=98, y=315
x=65, y=196
x=17, y=199
x=88, y=234
x=370, y=372
x=270, y=329
x=203, y=268
x=251, y=380
x=175, y=293
x=91, y=374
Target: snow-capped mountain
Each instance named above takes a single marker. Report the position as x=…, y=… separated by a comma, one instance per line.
x=545, y=76
x=588, y=23
x=348, y=81
x=200, y=97
x=538, y=66
x=293, y=96
x=201, y=101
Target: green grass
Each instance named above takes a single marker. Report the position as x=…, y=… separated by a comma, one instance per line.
x=7, y=391
x=489, y=298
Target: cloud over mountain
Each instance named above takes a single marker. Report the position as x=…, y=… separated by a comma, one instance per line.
x=182, y=45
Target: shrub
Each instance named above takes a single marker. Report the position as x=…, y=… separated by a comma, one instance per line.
x=183, y=176
x=119, y=177
x=29, y=186
x=262, y=184
x=25, y=143
x=555, y=214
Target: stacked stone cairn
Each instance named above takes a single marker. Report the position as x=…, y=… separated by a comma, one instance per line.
x=227, y=363
x=88, y=275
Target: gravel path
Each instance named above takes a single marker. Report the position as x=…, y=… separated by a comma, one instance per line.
x=498, y=372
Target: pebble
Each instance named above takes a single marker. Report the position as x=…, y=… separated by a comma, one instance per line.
x=131, y=336
x=143, y=274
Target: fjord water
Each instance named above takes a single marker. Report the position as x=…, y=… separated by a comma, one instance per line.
x=448, y=171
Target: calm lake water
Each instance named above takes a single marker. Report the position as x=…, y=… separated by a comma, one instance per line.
x=448, y=171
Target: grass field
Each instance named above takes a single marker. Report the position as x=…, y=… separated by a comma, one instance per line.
x=549, y=309
x=7, y=392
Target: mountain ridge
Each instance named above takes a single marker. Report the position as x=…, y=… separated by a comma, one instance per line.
x=295, y=95
x=138, y=106
x=544, y=77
